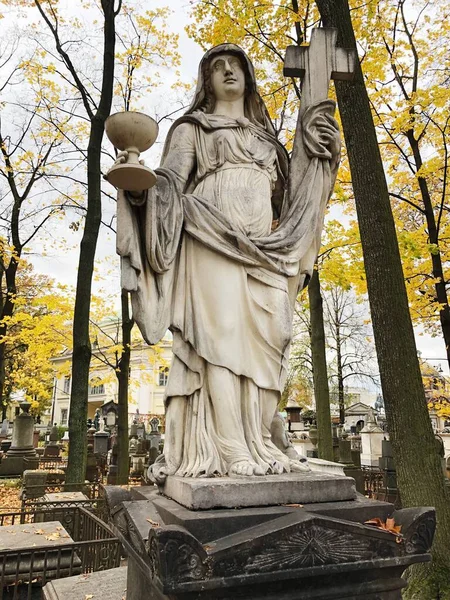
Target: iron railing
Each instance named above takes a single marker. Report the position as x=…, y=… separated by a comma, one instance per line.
x=24, y=572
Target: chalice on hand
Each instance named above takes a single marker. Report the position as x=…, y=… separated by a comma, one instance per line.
x=131, y=133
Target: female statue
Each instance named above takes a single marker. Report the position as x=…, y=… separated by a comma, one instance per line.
x=216, y=251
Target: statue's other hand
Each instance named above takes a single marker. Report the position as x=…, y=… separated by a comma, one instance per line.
x=121, y=158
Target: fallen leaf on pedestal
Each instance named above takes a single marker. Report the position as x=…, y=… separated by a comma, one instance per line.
x=153, y=523
x=388, y=525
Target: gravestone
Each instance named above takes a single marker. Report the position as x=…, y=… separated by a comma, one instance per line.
x=101, y=439
x=21, y=454
x=113, y=468
x=111, y=583
x=154, y=435
x=91, y=464
x=53, y=449
x=34, y=483
x=4, y=430
x=387, y=466
x=372, y=437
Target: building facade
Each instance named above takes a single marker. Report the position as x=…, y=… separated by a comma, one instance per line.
x=149, y=369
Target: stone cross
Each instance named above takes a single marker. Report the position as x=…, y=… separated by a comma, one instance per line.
x=316, y=64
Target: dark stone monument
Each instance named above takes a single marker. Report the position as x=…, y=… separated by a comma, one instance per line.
x=21, y=455
x=154, y=435
x=346, y=458
x=113, y=468
x=276, y=552
x=91, y=464
x=101, y=439
x=53, y=449
x=387, y=466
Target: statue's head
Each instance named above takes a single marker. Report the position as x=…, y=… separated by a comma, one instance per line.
x=225, y=77
x=228, y=61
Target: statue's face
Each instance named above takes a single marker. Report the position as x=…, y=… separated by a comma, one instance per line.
x=227, y=77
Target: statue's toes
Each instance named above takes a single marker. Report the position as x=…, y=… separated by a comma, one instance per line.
x=277, y=467
x=257, y=470
x=299, y=466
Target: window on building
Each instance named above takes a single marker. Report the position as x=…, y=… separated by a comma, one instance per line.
x=64, y=413
x=66, y=387
x=96, y=388
x=163, y=376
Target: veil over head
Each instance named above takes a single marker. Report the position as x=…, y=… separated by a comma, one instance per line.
x=254, y=107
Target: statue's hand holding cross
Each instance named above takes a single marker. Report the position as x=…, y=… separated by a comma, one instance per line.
x=316, y=64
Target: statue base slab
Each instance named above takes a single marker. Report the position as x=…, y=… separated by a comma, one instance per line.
x=323, y=551
x=237, y=492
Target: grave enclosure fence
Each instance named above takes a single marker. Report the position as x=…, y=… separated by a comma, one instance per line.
x=93, y=547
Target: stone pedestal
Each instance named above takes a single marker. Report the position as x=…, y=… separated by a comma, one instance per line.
x=22, y=445
x=34, y=483
x=101, y=442
x=316, y=551
x=238, y=492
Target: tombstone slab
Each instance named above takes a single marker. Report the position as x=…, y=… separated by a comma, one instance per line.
x=33, y=537
x=112, y=583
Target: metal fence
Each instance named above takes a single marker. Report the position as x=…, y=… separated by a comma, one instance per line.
x=52, y=463
x=24, y=572
x=373, y=481
x=33, y=500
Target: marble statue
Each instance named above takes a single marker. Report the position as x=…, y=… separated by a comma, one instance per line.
x=217, y=251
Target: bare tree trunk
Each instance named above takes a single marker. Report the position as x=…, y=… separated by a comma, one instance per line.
x=419, y=473
x=81, y=343
x=433, y=236
x=340, y=378
x=123, y=377
x=320, y=375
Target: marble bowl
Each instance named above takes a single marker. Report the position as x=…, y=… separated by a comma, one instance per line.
x=131, y=130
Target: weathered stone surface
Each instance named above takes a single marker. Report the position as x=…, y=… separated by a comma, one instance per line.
x=110, y=585
x=38, y=538
x=236, y=492
x=317, y=552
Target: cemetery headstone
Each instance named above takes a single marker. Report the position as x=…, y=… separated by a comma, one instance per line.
x=154, y=435
x=53, y=449
x=372, y=437
x=34, y=483
x=101, y=442
x=5, y=429
x=21, y=454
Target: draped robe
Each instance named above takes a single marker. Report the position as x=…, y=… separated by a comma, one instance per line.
x=199, y=257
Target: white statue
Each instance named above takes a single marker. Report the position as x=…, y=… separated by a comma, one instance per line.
x=217, y=251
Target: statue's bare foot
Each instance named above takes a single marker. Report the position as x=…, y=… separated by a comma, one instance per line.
x=245, y=467
x=277, y=467
x=299, y=466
